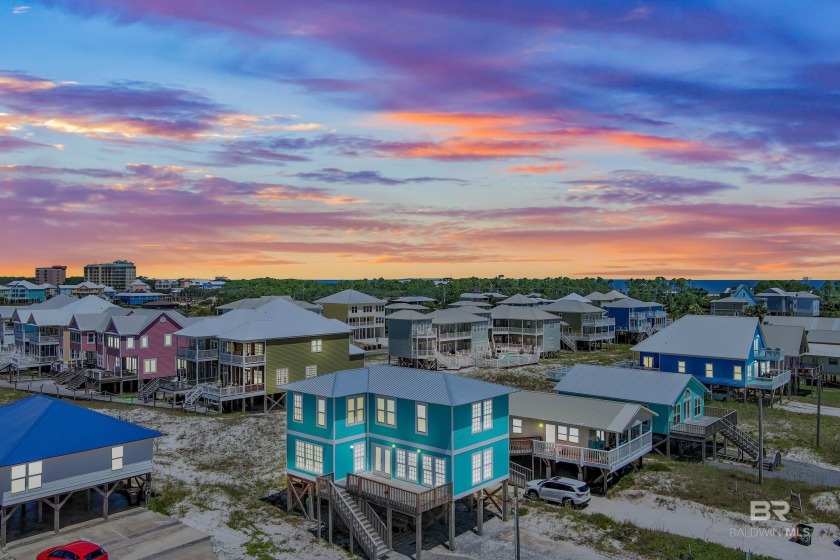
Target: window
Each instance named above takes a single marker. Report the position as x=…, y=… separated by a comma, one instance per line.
x=167, y=339
x=737, y=373
x=647, y=361
x=355, y=410
x=309, y=457
x=144, y=341
x=476, y=417
x=412, y=467
x=311, y=371
x=574, y=435
x=681, y=367
x=710, y=372
x=129, y=342
x=476, y=468
x=400, y=463
x=113, y=342
x=832, y=361
x=697, y=406
x=26, y=477
x=488, y=463
x=321, y=418
x=282, y=375
x=117, y=458
x=150, y=365
x=600, y=435
x=482, y=421
x=91, y=338
x=316, y=345
x=488, y=415
x=427, y=470
x=675, y=415
x=386, y=411
x=297, y=412
x=367, y=309
x=421, y=426
x=359, y=457
x=563, y=433
x=517, y=425
x=354, y=309
x=440, y=471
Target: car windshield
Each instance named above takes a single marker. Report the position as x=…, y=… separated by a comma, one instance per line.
x=583, y=488
x=95, y=554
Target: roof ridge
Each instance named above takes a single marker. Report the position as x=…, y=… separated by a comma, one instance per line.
x=49, y=403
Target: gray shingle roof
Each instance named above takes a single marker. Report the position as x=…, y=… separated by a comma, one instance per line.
x=408, y=306
x=521, y=313
x=787, y=338
x=828, y=350
x=277, y=319
x=624, y=384
x=571, y=306
x=598, y=414
x=350, y=297
x=704, y=335
x=434, y=387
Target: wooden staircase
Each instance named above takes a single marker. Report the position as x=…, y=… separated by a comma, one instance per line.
x=519, y=475
x=747, y=444
x=77, y=380
x=360, y=525
x=150, y=388
x=571, y=344
x=194, y=394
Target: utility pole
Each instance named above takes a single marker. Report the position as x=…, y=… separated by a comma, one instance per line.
x=761, y=437
x=819, y=405
x=516, y=522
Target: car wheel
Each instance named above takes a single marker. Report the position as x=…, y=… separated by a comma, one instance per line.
x=567, y=502
x=532, y=495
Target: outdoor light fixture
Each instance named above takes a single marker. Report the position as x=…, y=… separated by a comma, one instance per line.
x=541, y=425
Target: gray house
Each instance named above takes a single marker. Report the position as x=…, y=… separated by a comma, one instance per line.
x=52, y=449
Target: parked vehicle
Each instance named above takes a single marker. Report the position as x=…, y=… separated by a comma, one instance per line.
x=566, y=491
x=79, y=550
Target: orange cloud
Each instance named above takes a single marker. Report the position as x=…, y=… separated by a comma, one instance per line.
x=539, y=169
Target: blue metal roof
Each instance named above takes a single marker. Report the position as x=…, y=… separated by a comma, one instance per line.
x=42, y=427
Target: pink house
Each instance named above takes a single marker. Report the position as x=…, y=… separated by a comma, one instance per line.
x=142, y=344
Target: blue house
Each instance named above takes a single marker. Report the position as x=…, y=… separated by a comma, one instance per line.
x=22, y=291
x=52, y=450
x=139, y=298
x=678, y=400
x=406, y=440
x=636, y=319
x=718, y=351
x=797, y=304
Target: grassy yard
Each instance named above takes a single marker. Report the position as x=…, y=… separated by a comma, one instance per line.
x=830, y=396
x=606, y=357
x=8, y=396
x=727, y=489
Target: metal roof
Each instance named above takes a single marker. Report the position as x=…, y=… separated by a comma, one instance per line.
x=409, y=306
x=820, y=337
x=521, y=313
x=41, y=427
x=732, y=299
x=631, y=303
x=414, y=299
x=625, y=384
x=26, y=284
x=704, y=335
x=50, y=318
x=518, y=299
x=251, y=303
x=434, y=387
x=453, y=316
x=788, y=339
x=349, y=297
x=571, y=306
x=473, y=295
x=827, y=350
x=278, y=319
x=97, y=321
x=474, y=309
x=808, y=323
x=575, y=297
x=598, y=414
x=615, y=294
x=463, y=303
x=410, y=315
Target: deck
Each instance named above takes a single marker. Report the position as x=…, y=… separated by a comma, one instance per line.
x=214, y=393
x=769, y=382
x=612, y=459
x=399, y=495
x=705, y=426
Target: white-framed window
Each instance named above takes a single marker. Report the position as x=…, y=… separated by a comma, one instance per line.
x=697, y=406
x=386, y=411
x=355, y=410
x=710, y=370
x=476, y=417
x=309, y=457
x=26, y=476
x=129, y=343
x=297, y=407
x=647, y=361
x=600, y=435
x=150, y=365
x=476, y=468
x=282, y=375
x=488, y=463
x=400, y=472
x=359, y=457
x=517, y=425
x=421, y=424
x=488, y=415
x=167, y=340
x=681, y=366
x=113, y=341
x=367, y=309
x=428, y=477
x=144, y=341
x=412, y=467
x=675, y=415
x=482, y=416
x=354, y=309
x=311, y=371
x=91, y=338
x=316, y=345
x=321, y=417
x=117, y=458
x=440, y=471
x=737, y=373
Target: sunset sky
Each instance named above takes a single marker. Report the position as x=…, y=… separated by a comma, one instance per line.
x=429, y=138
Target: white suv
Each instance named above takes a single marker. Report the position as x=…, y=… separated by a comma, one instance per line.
x=566, y=491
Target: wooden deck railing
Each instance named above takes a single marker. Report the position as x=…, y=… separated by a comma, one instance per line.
x=522, y=446
x=399, y=499
x=611, y=458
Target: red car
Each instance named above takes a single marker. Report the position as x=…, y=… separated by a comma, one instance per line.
x=79, y=550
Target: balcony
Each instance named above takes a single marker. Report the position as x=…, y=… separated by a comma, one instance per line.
x=422, y=333
x=704, y=426
x=213, y=391
x=198, y=355
x=613, y=459
x=38, y=338
x=453, y=335
x=240, y=360
x=770, y=380
x=591, y=337
x=361, y=324
x=770, y=354
x=518, y=330
x=423, y=353
x=599, y=323
x=399, y=495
